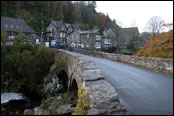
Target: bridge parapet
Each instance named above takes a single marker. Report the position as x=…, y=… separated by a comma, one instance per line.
x=156, y=64
x=104, y=97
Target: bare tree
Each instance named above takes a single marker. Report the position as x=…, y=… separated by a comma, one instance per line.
x=155, y=25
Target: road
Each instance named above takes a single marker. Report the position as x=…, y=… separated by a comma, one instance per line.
x=142, y=91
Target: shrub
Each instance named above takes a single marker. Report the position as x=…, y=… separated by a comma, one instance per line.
x=83, y=103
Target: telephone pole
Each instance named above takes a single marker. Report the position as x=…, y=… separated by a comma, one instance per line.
x=42, y=32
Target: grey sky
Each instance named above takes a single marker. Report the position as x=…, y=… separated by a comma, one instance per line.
x=136, y=13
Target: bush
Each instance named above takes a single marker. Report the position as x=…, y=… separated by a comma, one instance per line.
x=159, y=46
x=28, y=66
x=83, y=103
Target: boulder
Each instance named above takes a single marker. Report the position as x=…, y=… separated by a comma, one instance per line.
x=39, y=111
x=28, y=112
x=65, y=109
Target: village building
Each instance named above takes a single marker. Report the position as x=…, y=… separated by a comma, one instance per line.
x=109, y=40
x=91, y=40
x=56, y=30
x=73, y=34
x=128, y=36
x=12, y=27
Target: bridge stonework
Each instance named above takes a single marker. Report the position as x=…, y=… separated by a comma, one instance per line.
x=156, y=64
x=104, y=97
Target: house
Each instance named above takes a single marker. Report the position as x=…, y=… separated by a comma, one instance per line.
x=74, y=39
x=12, y=27
x=128, y=35
x=90, y=39
x=73, y=27
x=109, y=40
x=56, y=30
x=73, y=31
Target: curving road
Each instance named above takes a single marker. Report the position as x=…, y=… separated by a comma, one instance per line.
x=142, y=91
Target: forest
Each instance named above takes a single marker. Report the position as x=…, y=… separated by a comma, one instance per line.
x=36, y=12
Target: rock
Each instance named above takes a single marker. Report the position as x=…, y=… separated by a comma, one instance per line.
x=2, y=109
x=65, y=109
x=28, y=112
x=53, y=86
x=39, y=111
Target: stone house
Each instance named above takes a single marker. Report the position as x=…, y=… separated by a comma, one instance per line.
x=109, y=39
x=12, y=27
x=128, y=35
x=73, y=31
x=56, y=30
x=74, y=39
x=90, y=39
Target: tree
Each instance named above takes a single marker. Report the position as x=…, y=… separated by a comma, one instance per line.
x=155, y=25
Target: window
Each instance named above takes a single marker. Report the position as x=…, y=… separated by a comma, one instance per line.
x=62, y=28
x=98, y=37
x=17, y=26
x=106, y=40
x=72, y=36
x=88, y=36
x=6, y=25
x=51, y=29
x=11, y=26
x=11, y=37
x=64, y=35
x=60, y=34
x=51, y=34
x=98, y=44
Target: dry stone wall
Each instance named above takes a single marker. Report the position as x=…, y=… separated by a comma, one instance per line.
x=104, y=97
x=156, y=64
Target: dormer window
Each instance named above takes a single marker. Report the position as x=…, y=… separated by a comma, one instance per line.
x=62, y=28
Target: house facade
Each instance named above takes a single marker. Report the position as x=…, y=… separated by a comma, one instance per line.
x=74, y=39
x=109, y=40
x=12, y=27
x=73, y=34
x=91, y=40
x=56, y=30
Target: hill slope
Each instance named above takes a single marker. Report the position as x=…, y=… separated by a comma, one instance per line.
x=159, y=46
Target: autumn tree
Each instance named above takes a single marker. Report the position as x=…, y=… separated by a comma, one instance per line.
x=155, y=25
x=159, y=46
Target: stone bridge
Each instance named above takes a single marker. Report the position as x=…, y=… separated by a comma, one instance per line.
x=76, y=71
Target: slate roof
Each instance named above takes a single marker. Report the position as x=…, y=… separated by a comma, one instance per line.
x=89, y=31
x=129, y=30
x=57, y=24
x=67, y=25
x=76, y=26
x=14, y=24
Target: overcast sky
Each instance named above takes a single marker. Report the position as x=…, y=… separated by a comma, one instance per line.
x=136, y=13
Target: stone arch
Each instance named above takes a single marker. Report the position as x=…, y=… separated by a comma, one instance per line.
x=74, y=86
x=63, y=79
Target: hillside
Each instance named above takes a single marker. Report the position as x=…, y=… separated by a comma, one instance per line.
x=159, y=46
x=36, y=12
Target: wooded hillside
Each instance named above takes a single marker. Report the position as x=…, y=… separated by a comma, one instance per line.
x=33, y=12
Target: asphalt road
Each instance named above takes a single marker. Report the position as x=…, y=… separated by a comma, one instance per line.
x=142, y=91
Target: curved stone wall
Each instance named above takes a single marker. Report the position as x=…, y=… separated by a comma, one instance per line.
x=156, y=64
x=104, y=97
